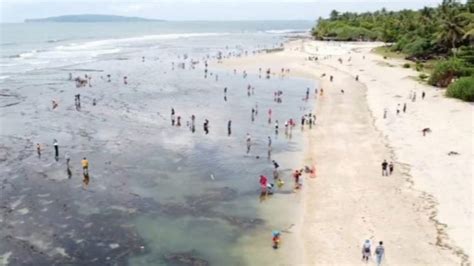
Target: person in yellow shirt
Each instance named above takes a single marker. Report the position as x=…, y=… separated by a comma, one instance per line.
x=85, y=171
x=85, y=165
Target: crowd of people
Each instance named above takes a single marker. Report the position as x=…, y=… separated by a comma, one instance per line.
x=267, y=187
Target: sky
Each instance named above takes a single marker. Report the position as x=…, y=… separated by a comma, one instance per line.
x=18, y=10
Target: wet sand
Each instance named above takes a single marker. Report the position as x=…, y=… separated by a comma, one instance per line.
x=349, y=200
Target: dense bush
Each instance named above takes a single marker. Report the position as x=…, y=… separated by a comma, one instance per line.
x=462, y=89
x=417, y=48
x=406, y=65
x=445, y=70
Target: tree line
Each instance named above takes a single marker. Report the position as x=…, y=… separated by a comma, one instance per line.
x=444, y=33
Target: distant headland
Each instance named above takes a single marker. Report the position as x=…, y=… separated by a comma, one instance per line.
x=90, y=18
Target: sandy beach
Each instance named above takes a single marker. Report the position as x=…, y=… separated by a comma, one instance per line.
x=423, y=211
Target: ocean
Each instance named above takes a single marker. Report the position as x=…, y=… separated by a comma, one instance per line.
x=158, y=194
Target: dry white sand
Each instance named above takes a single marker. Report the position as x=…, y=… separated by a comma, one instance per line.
x=423, y=212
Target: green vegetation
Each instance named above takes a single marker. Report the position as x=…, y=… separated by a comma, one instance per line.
x=423, y=76
x=445, y=71
x=440, y=39
x=386, y=52
x=462, y=89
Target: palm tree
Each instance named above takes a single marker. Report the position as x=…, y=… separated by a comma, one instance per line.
x=334, y=15
x=452, y=25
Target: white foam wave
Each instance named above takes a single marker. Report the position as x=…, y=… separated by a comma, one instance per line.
x=30, y=54
x=287, y=31
x=109, y=43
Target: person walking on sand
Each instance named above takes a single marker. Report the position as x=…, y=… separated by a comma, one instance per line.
x=249, y=142
x=38, y=150
x=379, y=253
x=384, y=113
x=296, y=176
x=398, y=109
x=390, y=168
x=384, y=168
x=404, y=107
x=56, y=149
x=423, y=94
x=414, y=97
x=366, y=251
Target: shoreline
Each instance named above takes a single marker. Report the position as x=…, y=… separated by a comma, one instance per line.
x=333, y=234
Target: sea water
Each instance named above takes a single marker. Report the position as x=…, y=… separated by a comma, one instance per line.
x=159, y=195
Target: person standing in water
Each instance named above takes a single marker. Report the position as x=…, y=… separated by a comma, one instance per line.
x=172, y=116
x=269, y=115
x=263, y=184
x=193, y=125
x=276, y=127
x=68, y=159
x=229, y=127
x=85, y=166
x=379, y=253
x=68, y=169
x=38, y=150
x=56, y=150
x=85, y=172
x=206, y=126
x=249, y=142
x=269, y=151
